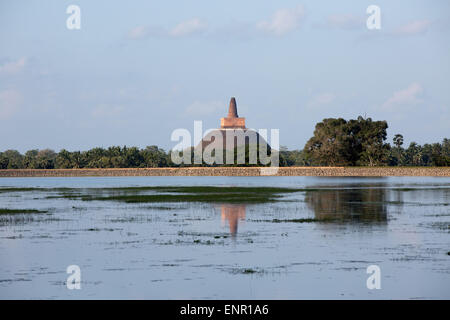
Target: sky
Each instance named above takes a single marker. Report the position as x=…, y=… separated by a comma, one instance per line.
x=137, y=70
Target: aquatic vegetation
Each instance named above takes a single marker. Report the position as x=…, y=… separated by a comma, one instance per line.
x=247, y=271
x=303, y=220
x=5, y=211
x=217, y=198
x=441, y=225
x=34, y=189
x=245, y=235
x=163, y=208
x=18, y=216
x=208, y=194
x=4, y=190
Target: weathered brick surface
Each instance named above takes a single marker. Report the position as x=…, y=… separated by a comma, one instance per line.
x=232, y=120
x=233, y=171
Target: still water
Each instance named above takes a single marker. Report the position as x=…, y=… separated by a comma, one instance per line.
x=314, y=243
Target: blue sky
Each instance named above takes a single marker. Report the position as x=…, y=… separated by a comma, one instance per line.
x=137, y=70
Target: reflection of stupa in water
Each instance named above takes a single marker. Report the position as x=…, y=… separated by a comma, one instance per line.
x=232, y=213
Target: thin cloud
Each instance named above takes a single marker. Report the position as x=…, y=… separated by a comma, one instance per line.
x=410, y=29
x=13, y=67
x=184, y=28
x=409, y=96
x=138, y=32
x=283, y=21
x=188, y=27
x=413, y=28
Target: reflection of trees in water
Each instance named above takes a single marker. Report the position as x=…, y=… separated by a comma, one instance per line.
x=232, y=213
x=367, y=205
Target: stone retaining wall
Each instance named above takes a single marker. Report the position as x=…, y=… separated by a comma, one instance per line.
x=233, y=171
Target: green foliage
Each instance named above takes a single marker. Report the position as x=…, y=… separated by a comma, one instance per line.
x=11, y=159
x=398, y=140
x=64, y=160
x=330, y=144
x=435, y=154
x=3, y=161
x=242, y=156
x=154, y=157
x=337, y=142
x=292, y=158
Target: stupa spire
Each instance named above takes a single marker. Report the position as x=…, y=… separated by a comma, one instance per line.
x=232, y=121
x=232, y=110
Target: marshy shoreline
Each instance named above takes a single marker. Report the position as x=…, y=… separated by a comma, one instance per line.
x=233, y=171
x=224, y=237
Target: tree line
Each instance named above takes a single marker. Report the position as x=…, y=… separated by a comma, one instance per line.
x=362, y=142
x=335, y=142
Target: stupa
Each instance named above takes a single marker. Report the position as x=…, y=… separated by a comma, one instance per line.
x=234, y=126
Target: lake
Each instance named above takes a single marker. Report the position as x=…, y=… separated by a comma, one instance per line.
x=225, y=237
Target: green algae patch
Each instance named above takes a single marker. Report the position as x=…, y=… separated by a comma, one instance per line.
x=5, y=211
x=305, y=220
x=301, y=220
x=191, y=194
